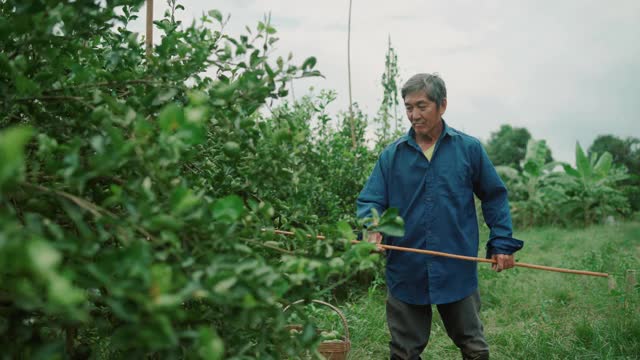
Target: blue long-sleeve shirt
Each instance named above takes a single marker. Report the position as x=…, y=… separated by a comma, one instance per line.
x=435, y=199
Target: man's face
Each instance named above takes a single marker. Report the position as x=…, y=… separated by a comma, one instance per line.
x=423, y=113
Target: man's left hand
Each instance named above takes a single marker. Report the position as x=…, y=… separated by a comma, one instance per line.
x=503, y=262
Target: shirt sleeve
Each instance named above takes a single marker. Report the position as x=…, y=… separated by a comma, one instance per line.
x=374, y=194
x=492, y=192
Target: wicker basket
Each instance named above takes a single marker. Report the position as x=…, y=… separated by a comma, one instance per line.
x=337, y=350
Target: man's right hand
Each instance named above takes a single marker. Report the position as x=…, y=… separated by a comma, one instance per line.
x=376, y=238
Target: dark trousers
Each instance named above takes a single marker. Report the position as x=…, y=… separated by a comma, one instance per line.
x=410, y=326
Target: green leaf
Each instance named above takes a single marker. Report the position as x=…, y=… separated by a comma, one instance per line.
x=225, y=285
x=345, y=230
x=43, y=256
x=183, y=200
x=197, y=97
x=210, y=346
x=507, y=172
x=195, y=115
x=375, y=217
x=26, y=86
x=242, y=248
x=570, y=170
x=532, y=168
x=550, y=166
x=228, y=209
x=309, y=63
x=604, y=164
x=249, y=301
x=312, y=73
x=171, y=118
x=164, y=221
x=161, y=275
x=395, y=228
x=582, y=162
x=164, y=96
x=62, y=292
x=390, y=223
x=271, y=30
x=255, y=59
x=12, y=143
x=215, y=14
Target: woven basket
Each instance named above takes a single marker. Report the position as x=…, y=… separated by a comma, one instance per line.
x=337, y=350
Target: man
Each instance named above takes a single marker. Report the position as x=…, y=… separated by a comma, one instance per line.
x=431, y=175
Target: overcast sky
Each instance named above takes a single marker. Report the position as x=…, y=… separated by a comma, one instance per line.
x=566, y=70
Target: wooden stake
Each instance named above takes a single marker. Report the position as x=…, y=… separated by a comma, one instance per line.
x=631, y=280
x=631, y=285
x=149, y=39
x=352, y=122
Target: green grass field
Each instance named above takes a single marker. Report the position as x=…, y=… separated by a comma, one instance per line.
x=531, y=314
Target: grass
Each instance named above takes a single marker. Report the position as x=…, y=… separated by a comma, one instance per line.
x=531, y=314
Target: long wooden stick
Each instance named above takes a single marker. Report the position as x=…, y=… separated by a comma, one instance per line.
x=467, y=258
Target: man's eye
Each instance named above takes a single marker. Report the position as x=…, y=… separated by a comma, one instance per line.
x=422, y=107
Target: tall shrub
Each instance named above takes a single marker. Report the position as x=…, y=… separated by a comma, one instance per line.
x=133, y=190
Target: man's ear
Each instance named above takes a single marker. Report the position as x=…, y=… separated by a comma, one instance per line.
x=443, y=107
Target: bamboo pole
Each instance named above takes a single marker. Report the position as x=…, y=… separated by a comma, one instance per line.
x=491, y=261
x=352, y=120
x=467, y=258
x=149, y=39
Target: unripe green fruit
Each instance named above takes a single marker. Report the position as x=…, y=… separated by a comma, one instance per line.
x=231, y=148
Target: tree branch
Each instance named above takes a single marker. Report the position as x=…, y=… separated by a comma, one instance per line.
x=272, y=247
x=51, y=98
x=94, y=209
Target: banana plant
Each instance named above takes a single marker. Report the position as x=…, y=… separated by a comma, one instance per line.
x=593, y=191
x=531, y=191
x=534, y=190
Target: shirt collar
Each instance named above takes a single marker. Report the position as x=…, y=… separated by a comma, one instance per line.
x=410, y=136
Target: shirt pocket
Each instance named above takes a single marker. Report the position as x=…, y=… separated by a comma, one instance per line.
x=454, y=200
x=406, y=181
x=454, y=180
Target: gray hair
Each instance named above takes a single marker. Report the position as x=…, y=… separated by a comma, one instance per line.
x=431, y=84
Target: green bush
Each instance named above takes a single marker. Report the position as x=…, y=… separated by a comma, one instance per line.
x=134, y=191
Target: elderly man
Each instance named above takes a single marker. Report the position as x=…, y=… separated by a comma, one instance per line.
x=430, y=175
